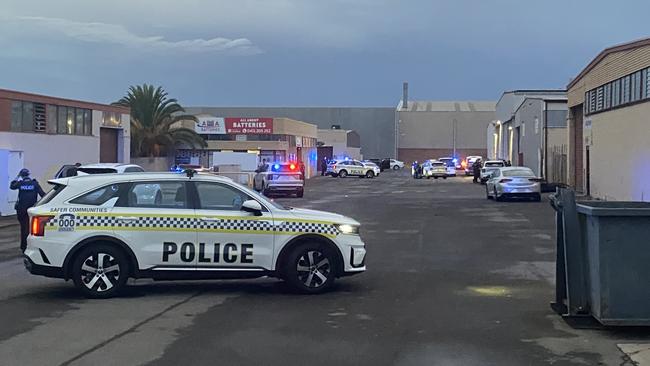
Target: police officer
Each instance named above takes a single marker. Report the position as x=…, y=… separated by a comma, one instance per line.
x=263, y=167
x=28, y=192
x=476, y=170
x=323, y=166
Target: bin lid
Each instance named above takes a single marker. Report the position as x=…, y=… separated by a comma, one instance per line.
x=613, y=208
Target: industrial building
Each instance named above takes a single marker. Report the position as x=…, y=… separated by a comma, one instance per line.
x=375, y=125
x=41, y=133
x=530, y=130
x=273, y=139
x=335, y=143
x=434, y=129
x=609, y=138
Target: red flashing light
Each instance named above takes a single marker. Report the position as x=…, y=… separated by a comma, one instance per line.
x=464, y=164
x=292, y=167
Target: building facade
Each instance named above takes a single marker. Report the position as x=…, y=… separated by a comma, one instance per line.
x=273, y=139
x=43, y=133
x=609, y=138
x=537, y=137
x=434, y=129
x=339, y=144
x=375, y=125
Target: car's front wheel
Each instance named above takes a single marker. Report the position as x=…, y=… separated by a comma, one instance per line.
x=496, y=196
x=396, y=167
x=487, y=193
x=370, y=174
x=310, y=268
x=100, y=271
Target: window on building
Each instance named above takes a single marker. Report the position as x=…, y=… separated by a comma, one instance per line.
x=40, y=119
x=616, y=93
x=61, y=120
x=79, y=121
x=635, y=93
x=600, y=98
x=70, y=122
x=16, y=116
x=88, y=122
x=625, y=90
x=647, y=82
x=28, y=117
x=51, y=118
x=592, y=101
x=607, y=104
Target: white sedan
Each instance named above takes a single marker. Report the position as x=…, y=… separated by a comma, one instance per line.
x=515, y=181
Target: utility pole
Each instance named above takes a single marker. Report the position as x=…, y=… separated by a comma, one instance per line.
x=454, y=131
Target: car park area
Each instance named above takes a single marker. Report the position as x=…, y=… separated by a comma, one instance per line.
x=432, y=291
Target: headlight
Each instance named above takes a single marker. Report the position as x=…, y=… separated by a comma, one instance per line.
x=348, y=229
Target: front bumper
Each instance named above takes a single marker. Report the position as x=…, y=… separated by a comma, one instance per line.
x=354, y=254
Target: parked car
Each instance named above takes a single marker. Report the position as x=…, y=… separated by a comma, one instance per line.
x=489, y=167
x=344, y=168
x=396, y=164
x=369, y=163
x=70, y=170
x=280, y=178
x=468, y=164
x=515, y=181
x=451, y=165
x=436, y=169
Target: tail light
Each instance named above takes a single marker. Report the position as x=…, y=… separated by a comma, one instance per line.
x=537, y=180
x=38, y=225
x=505, y=180
x=333, y=166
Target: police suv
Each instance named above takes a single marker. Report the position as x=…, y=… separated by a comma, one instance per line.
x=344, y=168
x=99, y=230
x=280, y=178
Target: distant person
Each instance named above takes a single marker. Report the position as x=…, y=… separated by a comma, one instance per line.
x=263, y=167
x=323, y=166
x=476, y=170
x=28, y=192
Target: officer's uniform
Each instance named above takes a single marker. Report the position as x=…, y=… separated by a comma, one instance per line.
x=476, y=171
x=28, y=192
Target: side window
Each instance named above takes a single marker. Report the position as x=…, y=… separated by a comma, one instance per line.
x=216, y=196
x=133, y=169
x=156, y=195
x=99, y=196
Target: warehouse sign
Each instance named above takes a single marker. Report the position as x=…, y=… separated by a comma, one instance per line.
x=249, y=126
x=209, y=125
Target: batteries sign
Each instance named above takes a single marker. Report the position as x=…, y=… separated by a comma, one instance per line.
x=249, y=126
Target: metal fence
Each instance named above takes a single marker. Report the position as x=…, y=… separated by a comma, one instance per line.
x=558, y=164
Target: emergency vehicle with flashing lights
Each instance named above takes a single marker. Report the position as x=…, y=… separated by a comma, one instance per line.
x=344, y=168
x=434, y=169
x=100, y=230
x=280, y=178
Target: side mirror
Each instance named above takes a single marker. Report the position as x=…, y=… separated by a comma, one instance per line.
x=252, y=206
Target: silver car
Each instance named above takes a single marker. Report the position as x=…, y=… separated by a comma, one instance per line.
x=517, y=181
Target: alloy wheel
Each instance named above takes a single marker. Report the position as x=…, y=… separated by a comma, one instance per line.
x=314, y=268
x=100, y=272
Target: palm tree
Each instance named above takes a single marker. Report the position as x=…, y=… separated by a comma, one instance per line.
x=152, y=115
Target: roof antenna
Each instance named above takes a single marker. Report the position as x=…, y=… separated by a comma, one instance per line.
x=190, y=173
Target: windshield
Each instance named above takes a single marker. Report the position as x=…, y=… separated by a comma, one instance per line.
x=518, y=173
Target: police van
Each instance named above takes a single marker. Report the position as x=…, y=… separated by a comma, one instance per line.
x=99, y=230
x=344, y=168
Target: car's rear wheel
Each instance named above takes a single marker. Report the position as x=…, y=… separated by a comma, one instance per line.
x=496, y=196
x=396, y=167
x=310, y=268
x=537, y=197
x=370, y=174
x=300, y=193
x=100, y=271
x=343, y=174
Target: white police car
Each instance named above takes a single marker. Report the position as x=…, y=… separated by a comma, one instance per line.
x=99, y=230
x=344, y=168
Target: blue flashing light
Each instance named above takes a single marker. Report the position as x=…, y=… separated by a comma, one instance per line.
x=455, y=160
x=276, y=167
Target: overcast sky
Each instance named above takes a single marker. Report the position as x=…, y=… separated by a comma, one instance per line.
x=306, y=52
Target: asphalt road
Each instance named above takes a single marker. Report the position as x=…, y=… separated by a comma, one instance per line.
x=453, y=279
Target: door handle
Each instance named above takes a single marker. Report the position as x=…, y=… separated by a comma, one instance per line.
x=210, y=219
x=126, y=218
